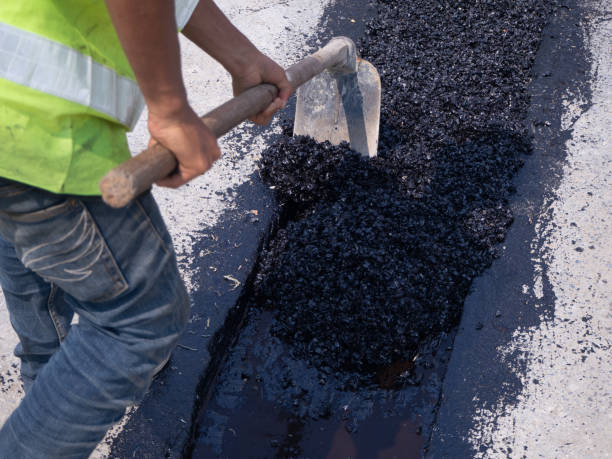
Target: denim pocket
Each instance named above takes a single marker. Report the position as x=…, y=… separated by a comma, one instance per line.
x=63, y=245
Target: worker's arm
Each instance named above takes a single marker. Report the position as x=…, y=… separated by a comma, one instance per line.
x=209, y=29
x=147, y=31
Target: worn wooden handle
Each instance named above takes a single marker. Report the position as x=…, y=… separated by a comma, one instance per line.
x=131, y=178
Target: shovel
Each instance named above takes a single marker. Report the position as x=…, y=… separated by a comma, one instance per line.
x=338, y=99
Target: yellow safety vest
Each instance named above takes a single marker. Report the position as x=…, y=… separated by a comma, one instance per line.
x=67, y=93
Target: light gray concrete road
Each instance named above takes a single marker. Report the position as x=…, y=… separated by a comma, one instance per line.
x=280, y=28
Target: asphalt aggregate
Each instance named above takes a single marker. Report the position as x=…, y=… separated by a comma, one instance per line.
x=359, y=289
x=378, y=255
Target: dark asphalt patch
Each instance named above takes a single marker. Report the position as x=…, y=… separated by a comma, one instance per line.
x=358, y=293
x=268, y=404
x=379, y=256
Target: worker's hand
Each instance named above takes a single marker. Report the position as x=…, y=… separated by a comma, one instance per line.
x=262, y=69
x=185, y=135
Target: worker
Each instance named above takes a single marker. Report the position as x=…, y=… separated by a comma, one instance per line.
x=74, y=76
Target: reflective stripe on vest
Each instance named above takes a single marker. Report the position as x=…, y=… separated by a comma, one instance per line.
x=45, y=65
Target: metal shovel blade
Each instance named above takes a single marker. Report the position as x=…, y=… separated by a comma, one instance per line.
x=341, y=107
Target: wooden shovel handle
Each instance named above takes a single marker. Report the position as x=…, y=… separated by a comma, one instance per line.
x=128, y=180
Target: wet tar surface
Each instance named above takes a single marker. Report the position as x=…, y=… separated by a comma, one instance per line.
x=354, y=306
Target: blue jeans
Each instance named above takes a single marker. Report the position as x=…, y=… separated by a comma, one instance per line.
x=114, y=268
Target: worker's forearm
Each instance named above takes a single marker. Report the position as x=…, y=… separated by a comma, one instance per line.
x=148, y=33
x=210, y=30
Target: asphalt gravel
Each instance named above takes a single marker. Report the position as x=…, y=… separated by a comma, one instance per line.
x=378, y=255
x=358, y=293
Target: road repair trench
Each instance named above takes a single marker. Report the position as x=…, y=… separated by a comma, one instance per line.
x=353, y=307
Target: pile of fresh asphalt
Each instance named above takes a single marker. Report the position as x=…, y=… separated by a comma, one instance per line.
x=377, y=256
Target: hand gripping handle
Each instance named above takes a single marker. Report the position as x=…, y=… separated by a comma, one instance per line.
x=129, y=179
